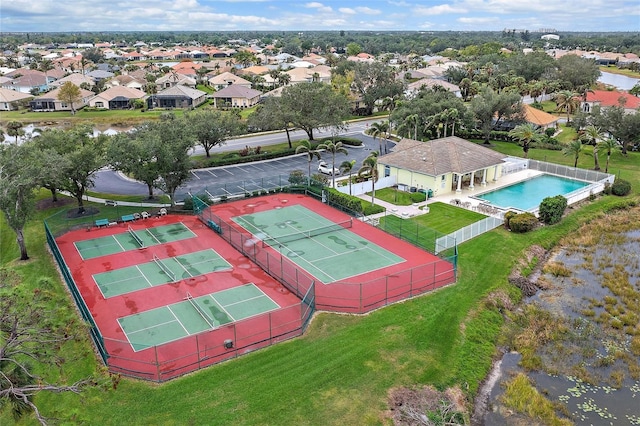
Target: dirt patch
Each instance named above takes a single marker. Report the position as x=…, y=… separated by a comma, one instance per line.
x=75, y=213
x=48, y=203
x=426, y=406
x=526, y=273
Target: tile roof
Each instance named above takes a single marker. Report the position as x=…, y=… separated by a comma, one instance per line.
x=236, y=91
x=180, y=90
x=441, y=156
x=123, y=91
x=608, y=98
x=538, y=117
x=8, y=95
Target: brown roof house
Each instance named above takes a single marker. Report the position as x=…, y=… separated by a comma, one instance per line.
x=12, y=99
x=50, y=102
x=444, y=166
x=116, y=97
x=177, y=97
x=539, y=118
x=226, y=79
x=236, y=96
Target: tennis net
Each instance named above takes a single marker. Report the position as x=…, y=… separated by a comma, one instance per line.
x=200, y=311
x=164, y=268
x=135, y=236
x=281, y=239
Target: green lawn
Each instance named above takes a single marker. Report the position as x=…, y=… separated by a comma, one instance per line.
x=394, y=196
x=341, y=370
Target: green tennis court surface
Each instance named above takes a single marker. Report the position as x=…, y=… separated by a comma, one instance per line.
x=194, y=315
x=132, y=240
x=159, y=271
x=326, y=250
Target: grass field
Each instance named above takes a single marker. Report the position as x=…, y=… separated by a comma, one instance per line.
x=341, y=370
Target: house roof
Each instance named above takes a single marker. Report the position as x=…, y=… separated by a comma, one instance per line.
x=441, y=156
x=75, y=78
x=121, y=91
x=53, y=94
x=236, y=91
x=431, y=83
x=608, y=98
x=180, y=90
x=538, y=117
x=8, y=95
x=228, y=78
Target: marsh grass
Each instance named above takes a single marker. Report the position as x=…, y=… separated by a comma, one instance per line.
x=522, y=396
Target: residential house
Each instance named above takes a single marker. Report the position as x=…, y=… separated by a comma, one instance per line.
x=76, y=79
x=177, y=97
x=430, y=83
x=126, y=80
x=50, y=101
x=606, y=99
x=174, y=79
x=12, y=99
x=539, y=118
x=226, y=79
x=99, y=75
x=117, y=97
x=235, y=96
x=444, y=166
x=25, y=80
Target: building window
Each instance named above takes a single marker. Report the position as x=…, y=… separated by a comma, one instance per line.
x=99, y=105
x=387, y=171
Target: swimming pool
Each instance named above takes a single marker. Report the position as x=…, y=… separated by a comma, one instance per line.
x=528, y=194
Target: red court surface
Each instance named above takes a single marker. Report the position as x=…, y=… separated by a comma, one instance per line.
x=176, y=358
x=421, y=272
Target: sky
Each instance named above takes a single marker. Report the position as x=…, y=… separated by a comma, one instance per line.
x=291, y=15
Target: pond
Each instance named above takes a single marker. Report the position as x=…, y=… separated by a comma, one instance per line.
x=618, y=81
x=593, y=371
x=32, y=129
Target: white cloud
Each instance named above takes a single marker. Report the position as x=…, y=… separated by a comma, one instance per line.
x=487, y=20
x=319, y=7
x=347, y=11
x=438, y=10
x=368, y=11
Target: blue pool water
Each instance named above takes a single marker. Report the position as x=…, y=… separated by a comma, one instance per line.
x=528, y=194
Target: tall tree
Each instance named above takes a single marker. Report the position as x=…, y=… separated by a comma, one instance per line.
x=18, y=179
x=574, y=149
x=32, y=332
x=85, y=156
x=490, y=108
x=592, y=135
x=15, y=129
x=526, y=134
x=307, y=148
x=567, y=101
x=369, y=170
x=133, y=153
x=333, y=148
x=271, y=115
x=70, y=94
x=608, y=145
x=379, y=130
x=374, y=82
x=52, y=145
x=315, y=106
x=45, y=66
x=347, y=167
x=213, y=128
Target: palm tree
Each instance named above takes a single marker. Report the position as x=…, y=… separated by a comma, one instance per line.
x=370, y=169
x=568, y=101
x=574, y=148
x=14, y=129
x=306, y=148
x=592, y=136
x=608, y=145
x=333, y=148
x=346, y=167
x=413, y=119
x=45, y=66
x=526, y=134
x=378, y=130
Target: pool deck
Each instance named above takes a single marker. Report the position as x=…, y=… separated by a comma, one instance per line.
x=464, y=196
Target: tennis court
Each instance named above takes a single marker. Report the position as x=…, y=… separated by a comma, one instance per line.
x=325, y=249
x=159, y=271
x=194, y=315
x=132, y=239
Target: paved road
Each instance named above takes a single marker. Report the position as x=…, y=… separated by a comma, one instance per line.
x=246, y=177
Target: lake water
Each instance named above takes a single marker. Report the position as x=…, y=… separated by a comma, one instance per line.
x=618, y=81
x=33, y=130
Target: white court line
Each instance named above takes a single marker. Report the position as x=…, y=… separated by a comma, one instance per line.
x=220, y=304
x=144, y=276
x=177, y=319
x=152, y=236
x=118, y=242
x=151, y=327
x=242, y=301
x=182, y=266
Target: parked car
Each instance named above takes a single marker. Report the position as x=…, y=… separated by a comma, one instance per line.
x=323, y=167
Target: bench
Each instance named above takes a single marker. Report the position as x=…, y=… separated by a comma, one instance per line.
x=214, y=226
x=128, y=218
x=102, y=222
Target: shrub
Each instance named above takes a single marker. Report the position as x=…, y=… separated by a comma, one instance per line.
x=552, y=209
x=507, y=217
x=188, y=204
x=297, y=177
x=417, y=197
x=523, y=222
x=620, y=187
x=372, y=209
